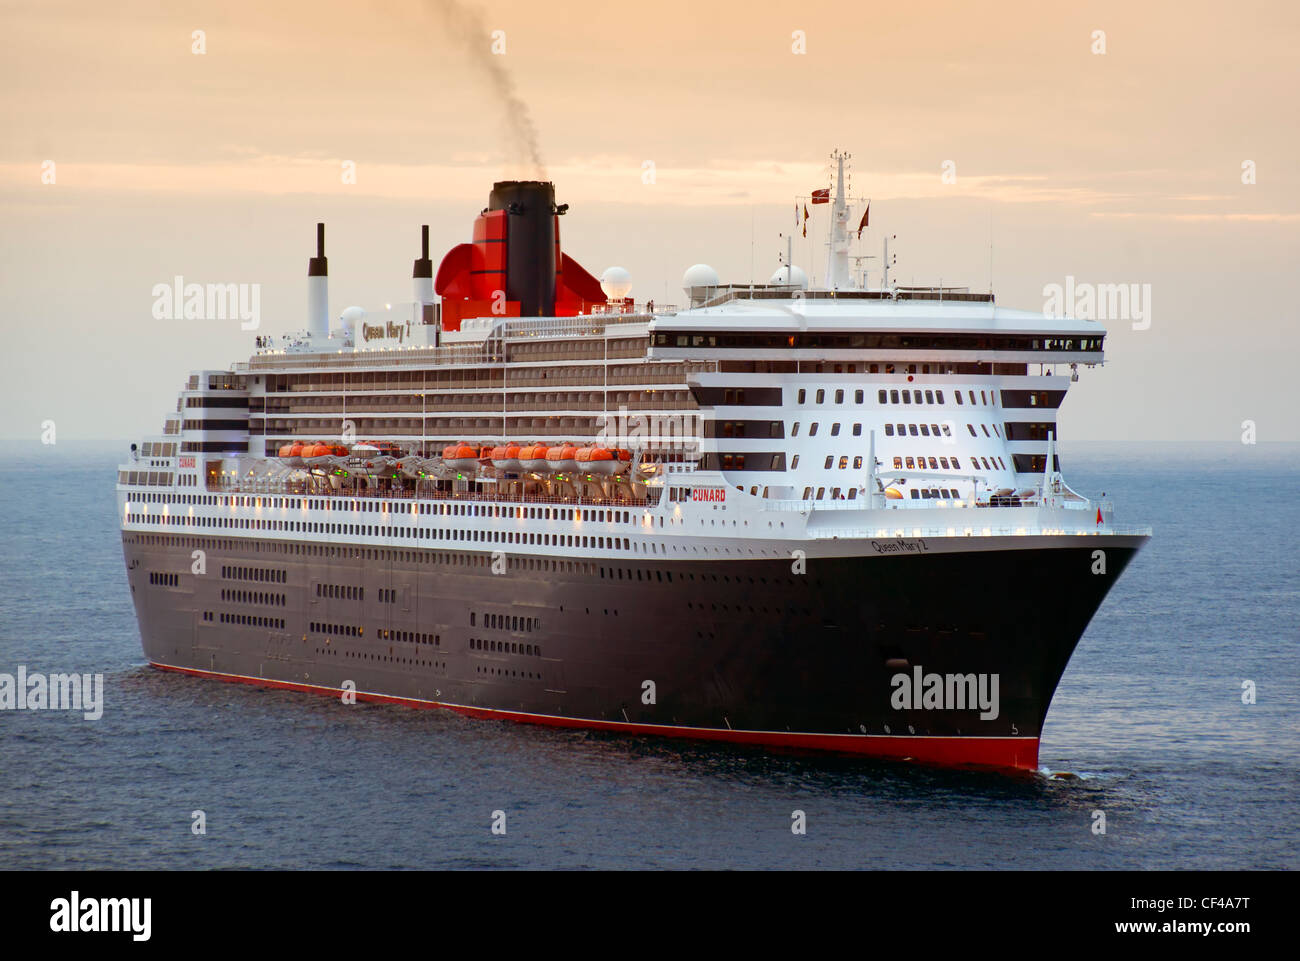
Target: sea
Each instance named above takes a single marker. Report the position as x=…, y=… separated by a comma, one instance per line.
x=1173, y=741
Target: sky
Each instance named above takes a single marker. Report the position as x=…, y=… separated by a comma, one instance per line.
x=1023, y=143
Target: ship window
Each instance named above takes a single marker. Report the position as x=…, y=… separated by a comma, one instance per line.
x=889, y=430
x=821, y=491
x=898, y=463
x=812, y=431
x=925, y=430
x=916, y=494
x=835, y=430
x=934, y=464
x=821, y=396
x=943, y=462
x=794, y=462
x=807, y=493
x=985, y=428
x=907, y=397
x=956, y=464
x=839, y=397
x=857, y=397
x=916, y=397
x=910, y=463
x=829, y=459
x=893, y=397
x=880, y=397
x=947, y=431
x=958, y=395
x=983, y=399
x=971, y=428
x=857, y=462
x=857, y=430
x=929, y=397
x=939, y=395
x=972, y=396
x=844, y=461
x=835, y=493
x=911, y=429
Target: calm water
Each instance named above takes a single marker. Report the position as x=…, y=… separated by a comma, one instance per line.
x=1149, y=715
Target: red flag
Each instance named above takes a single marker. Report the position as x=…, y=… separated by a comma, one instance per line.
x=805, y=228
x=1098, y=516
x=822, y=196
x=805, y=214
x=865, y=214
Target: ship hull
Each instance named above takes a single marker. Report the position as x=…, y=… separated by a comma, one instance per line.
x=753, y=651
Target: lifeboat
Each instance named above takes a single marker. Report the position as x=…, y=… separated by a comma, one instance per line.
x=605, y=461
x=461, y=457
x=533, y=459
x=316, y=455
x=507, y=457
x=562, y=457
x=893, y=494
x=291, y=454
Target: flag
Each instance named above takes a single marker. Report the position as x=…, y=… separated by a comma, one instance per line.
x=805, y=215
x=1098, y=516
x=796, y=213
x=805, y=228
x=865, y=214
x=822, y=196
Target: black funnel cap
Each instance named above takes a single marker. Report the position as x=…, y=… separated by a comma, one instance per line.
x=530, y=243
x=424, y=266
x=318, y=266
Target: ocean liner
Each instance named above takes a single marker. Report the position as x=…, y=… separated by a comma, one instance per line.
x=805, y=517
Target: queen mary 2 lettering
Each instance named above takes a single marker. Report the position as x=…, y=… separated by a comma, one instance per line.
x=861, y=483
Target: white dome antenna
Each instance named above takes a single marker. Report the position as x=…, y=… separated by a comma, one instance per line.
x=698, y=282
x=790, y=276
x=616, y=283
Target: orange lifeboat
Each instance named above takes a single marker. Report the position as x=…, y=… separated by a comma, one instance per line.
x=532, y=458
x=605, y=461
x=893, y=494
x=562, y=457
x=506, y=457
x=461, y=457
x=316, y=454
x=291, y=453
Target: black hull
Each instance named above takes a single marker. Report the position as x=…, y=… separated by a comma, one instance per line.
x=741, y=650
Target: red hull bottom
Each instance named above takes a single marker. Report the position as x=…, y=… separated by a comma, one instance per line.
x=1003, y=753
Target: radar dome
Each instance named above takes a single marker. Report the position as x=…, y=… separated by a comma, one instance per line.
x=792, y=276
x=700, y=275
x=352, y=316
x=615, y=282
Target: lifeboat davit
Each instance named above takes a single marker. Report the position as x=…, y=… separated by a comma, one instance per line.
x=606, y=461
x=461, y=457
x=532, y=458
x=507, y=457
x=562, y=457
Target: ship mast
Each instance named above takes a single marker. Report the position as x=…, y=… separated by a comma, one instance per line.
x=838, y=276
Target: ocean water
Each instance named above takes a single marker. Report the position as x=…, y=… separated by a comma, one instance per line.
x=1149, y=717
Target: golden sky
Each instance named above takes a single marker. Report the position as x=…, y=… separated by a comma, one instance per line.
x=1115, y=167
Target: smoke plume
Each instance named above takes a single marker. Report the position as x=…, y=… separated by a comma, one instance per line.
x=468, y=30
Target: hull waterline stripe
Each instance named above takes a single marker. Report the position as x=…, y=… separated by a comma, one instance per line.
x=1015, y=753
